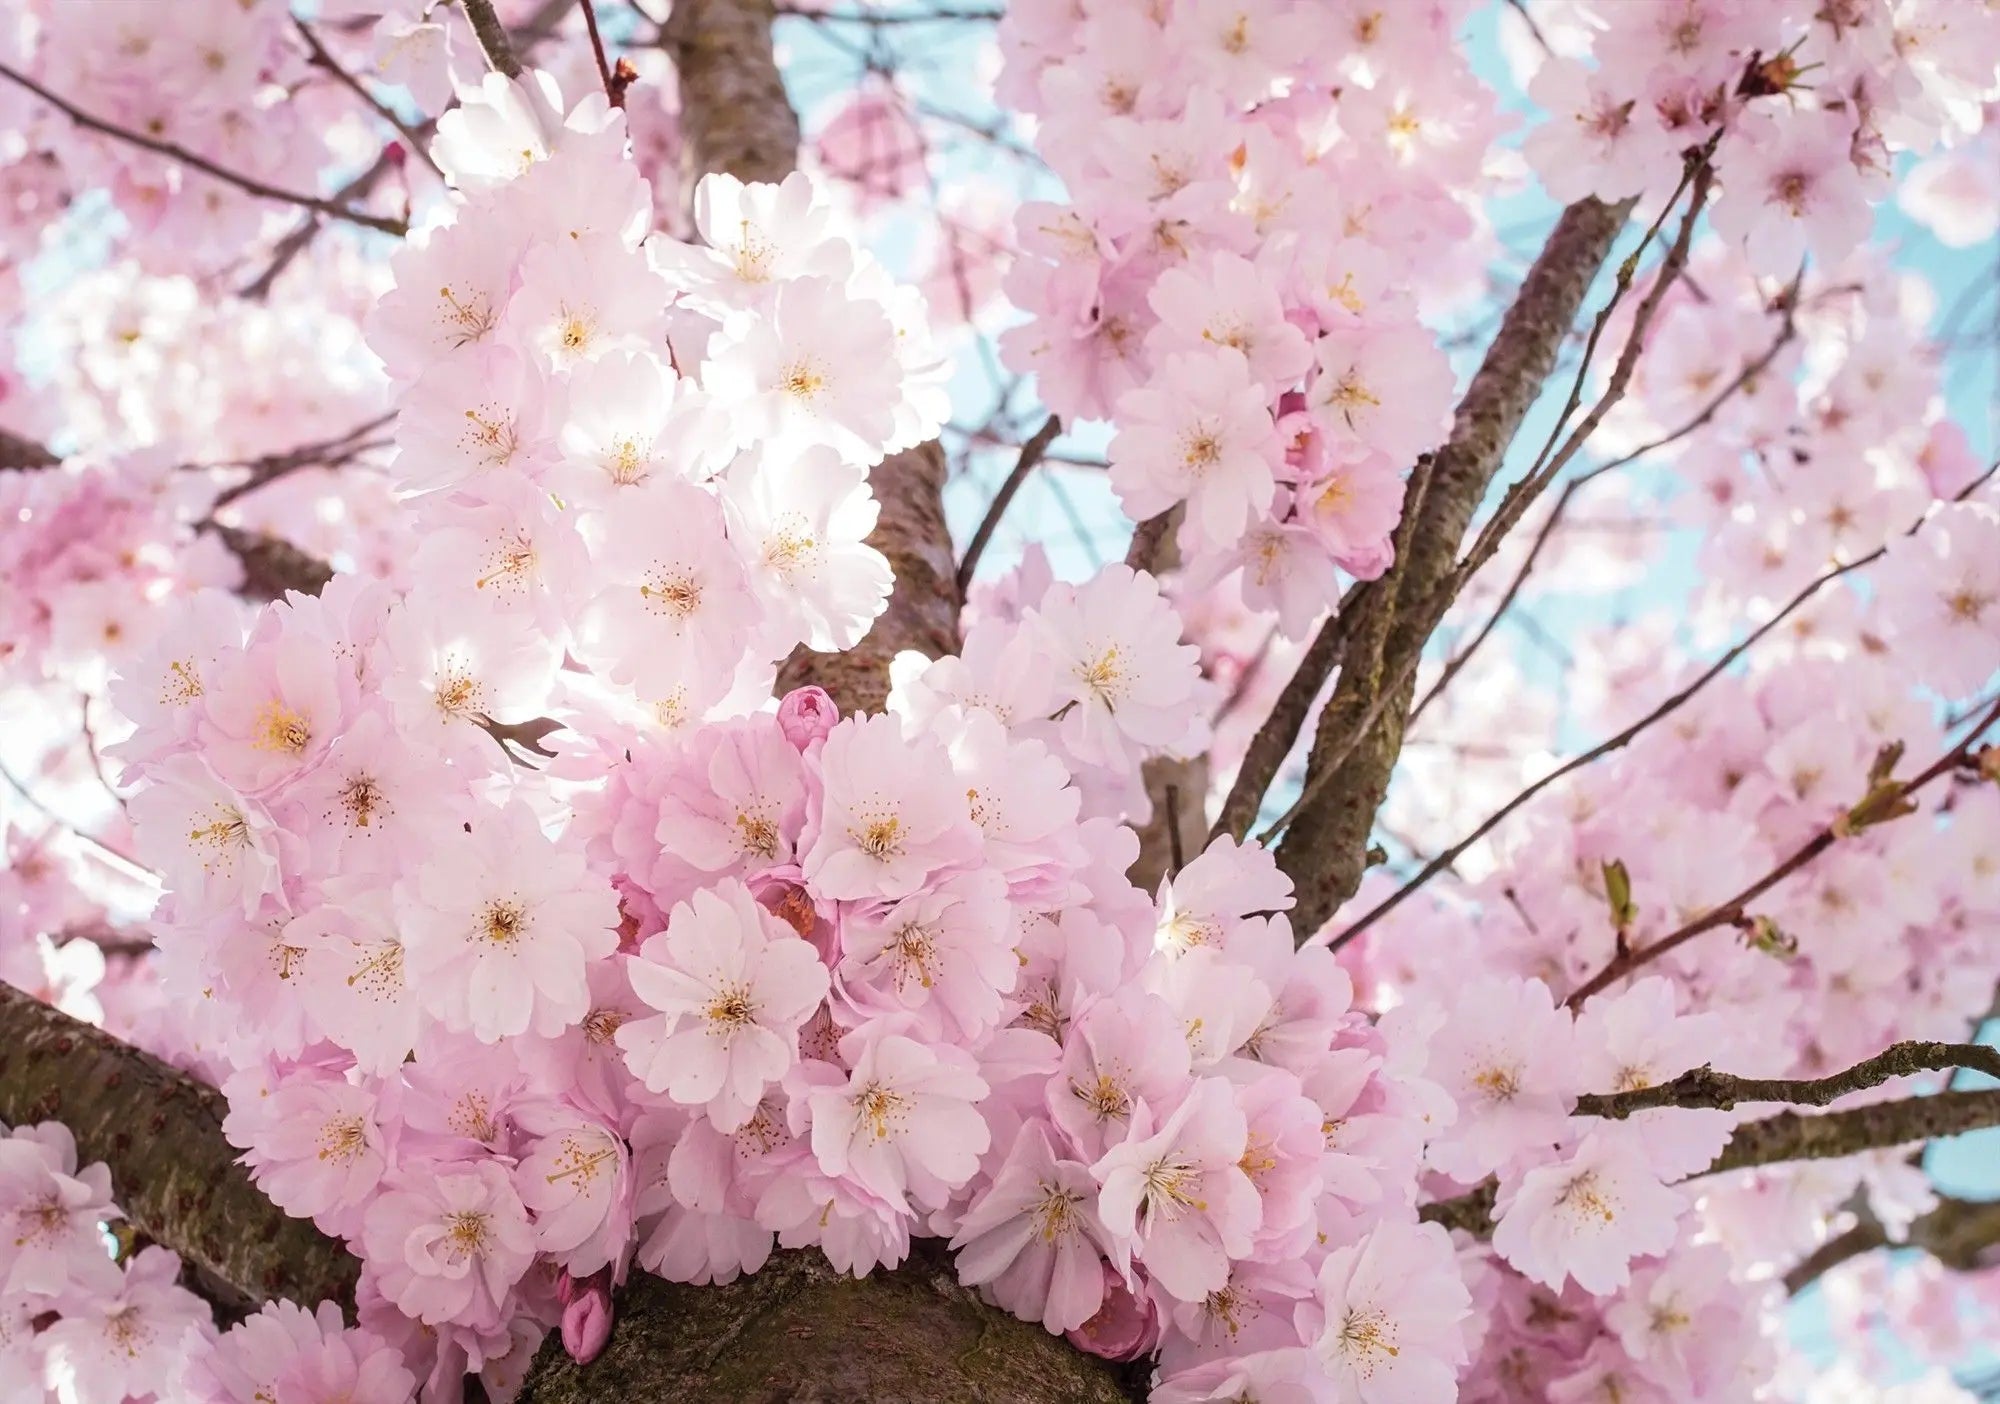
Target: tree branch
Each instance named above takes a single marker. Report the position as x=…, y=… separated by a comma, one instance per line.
x=1791, y=1136
x=734, y=116
x=1032, y=453
x=1631, y=733
x=249, y=184
x=322, y=58
x=797, y=1330
x=271, y=565
x=1279, y=731
x=1704, y=1087
x=492, y=37
x=160, y=1131
x=1883, y=801
x=1325, y=849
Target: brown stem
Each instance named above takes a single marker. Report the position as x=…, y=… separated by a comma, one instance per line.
x=322, y=58
x=613, y=89
x=1032, y=454
x=160, y=1132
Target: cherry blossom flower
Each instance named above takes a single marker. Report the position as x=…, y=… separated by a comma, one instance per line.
x=732, y=985
x=1175, y=1192
x=1586, y=1217
x=1203, y=435
x=903, y=1124
x=498, y=926
x=890, y=816
x=1032, y=1240
x=449, y=1244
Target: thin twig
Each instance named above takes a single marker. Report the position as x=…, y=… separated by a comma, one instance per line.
x=1032, y=453
x=1266, y=753
x=1735, y=911
x=329, y=453
x=249, y=184
x=129, y=865
x=1625, y=737
x=90, y=747
x=322, y=58
x=614, y=90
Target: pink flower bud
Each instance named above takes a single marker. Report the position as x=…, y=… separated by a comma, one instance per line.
x=586, y=1320
x=806, y=715
x=1125, y=1327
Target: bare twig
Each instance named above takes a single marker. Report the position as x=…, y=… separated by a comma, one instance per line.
x=1735, y=911
x=1623, y=738
x=323, y=59
x=1280, y=729
x=249, y=184
x=1031, y=456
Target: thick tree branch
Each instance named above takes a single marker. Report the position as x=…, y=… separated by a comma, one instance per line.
x=1324, y=850
x=735, y=116
x=1878, y=1126
x=1962, y=1234
x=798, y=1330
x=160, y=1131
x=492, y=37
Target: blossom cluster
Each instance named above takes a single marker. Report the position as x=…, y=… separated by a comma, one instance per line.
x=1258, y=208
x=535, y=943
x=1807, y=106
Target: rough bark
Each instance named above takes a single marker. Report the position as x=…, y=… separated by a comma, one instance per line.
x=271, y=565
x=734, y=116
x=1325, y=849
x=1176, y=787
x=797, y=1332
x=922, y=613
x=160, y=1131
x=1705, y=1087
